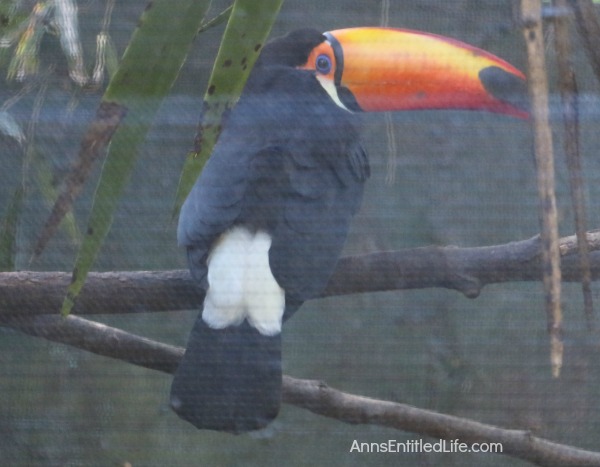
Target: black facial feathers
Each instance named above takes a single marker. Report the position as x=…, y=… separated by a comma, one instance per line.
x=291, y=50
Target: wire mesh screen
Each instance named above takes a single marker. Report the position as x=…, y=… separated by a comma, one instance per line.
x=428, y=345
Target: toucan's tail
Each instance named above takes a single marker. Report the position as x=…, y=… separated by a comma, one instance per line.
x=229, y=379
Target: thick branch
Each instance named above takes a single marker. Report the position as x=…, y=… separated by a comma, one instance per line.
x=315, y=396
x=27, y=294
x=99, y=339
x=466, y=270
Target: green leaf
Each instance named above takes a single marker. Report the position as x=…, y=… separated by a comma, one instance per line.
x=248, y=28
x=148, y=69
x=220, y=18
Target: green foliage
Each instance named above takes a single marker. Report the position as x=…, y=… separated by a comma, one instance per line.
x=247, y=30
x=147, y=71
x=149, y=67
x=22, y=32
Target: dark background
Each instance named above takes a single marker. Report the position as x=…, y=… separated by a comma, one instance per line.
x=455, y=178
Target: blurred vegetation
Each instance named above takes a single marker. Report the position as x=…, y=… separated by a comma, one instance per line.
x=140, y=85
x=149, y=67
x=461, y=178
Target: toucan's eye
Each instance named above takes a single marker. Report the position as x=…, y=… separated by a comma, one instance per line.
x=323, y=64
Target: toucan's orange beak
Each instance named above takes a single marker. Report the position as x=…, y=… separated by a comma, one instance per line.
x=383, y=69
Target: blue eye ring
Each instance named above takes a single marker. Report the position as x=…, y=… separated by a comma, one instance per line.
x=323, y=64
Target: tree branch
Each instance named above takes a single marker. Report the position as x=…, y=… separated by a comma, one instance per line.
x=466, y=270
x=323, y=400
x=29, y=299
x=315, y=396
x=100, y=339
x=567, y=82
x=544, y=163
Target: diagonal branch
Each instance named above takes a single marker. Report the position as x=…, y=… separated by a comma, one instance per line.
x=323, y=400
x=100, y=339
x=315, y=396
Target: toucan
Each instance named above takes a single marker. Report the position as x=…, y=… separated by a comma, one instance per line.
x=266, y=221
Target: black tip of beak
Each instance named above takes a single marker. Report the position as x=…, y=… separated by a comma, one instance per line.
x=505, y=87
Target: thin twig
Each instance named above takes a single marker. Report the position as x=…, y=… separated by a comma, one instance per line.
x=219, y=19
x=570, y=112
x=589, y=31
x=531, y=11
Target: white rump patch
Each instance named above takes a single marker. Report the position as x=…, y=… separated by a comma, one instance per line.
x=241, y=285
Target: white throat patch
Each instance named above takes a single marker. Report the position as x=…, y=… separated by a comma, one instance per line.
x=330, y=88
x=241, y=285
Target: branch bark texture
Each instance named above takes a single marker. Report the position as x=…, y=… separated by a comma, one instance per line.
x=544, y=162
x=466, y=270
x=29, y=302
x=567, y=82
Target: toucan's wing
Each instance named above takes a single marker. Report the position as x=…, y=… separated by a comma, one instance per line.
x=287, y=163
x=213, y=206
x=317, y=211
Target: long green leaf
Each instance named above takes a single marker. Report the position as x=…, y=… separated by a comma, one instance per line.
x=148, y=69
x=247, y=30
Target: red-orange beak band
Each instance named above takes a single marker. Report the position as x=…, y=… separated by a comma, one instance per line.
x=384, y=69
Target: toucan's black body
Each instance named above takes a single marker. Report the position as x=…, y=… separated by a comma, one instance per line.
x=289, y=162
x=268, y=217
